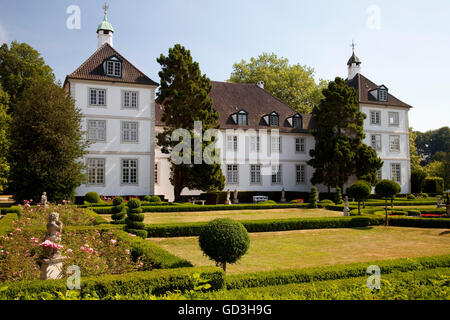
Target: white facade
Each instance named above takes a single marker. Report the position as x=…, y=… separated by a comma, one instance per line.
x=113, y=148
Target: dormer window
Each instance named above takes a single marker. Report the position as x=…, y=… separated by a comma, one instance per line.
x=383, y=95
x=297, y=121
x=274, y=119
x=242, y=118
x=113, y=67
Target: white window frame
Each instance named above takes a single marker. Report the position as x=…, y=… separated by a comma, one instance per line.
x=156, y=173
x=128, y=97
x=396, y=172
x=255, y=172
x=96, y=170
x=255, y=144
x=95, y=132
x=300, y=145
x=124, y=132
x=382, y=95
x=232, y=174
x=374, y=116
x=126, y=164
x=300, y=173
x=275, y=141
x=392, y=143
x=232, y=143
x=97, y=94
x=380, y=174
x=276, y=176
x=115, y=66
x=274, y=123
x=242, y=115
x=376, y=144
x=395, y=116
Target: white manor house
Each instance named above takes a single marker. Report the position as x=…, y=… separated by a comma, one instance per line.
x=121, y=117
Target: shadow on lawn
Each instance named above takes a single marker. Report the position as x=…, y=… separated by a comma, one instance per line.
x=363, y=228
x=444, y=233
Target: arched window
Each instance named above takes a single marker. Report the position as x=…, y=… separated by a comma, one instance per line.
x=297, y=121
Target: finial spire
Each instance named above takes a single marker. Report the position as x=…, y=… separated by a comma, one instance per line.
x=353, y=45
x=105, y=8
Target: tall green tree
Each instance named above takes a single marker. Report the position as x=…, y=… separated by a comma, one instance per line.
x=292, y=84
x=414, y=156
x=339, y=150
x=46, y=143
x=4, y=139
x=431, y=142
x=20, y=65
x=184, y=95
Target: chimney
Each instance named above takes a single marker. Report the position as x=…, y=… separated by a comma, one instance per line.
x=260, y=84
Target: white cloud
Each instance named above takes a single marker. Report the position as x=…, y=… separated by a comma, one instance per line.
x=3, y=35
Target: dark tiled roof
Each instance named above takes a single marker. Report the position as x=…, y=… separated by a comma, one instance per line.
x=229, y=98
x=364, y=86
x=92, y=68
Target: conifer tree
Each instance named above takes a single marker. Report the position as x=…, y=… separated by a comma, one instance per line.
x=184, y=95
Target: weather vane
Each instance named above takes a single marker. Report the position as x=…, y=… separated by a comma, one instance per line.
x=353, y=45
x=105, y=7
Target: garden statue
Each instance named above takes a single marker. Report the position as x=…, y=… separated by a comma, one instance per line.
x=283, y=196
x=346, y=207
x=448, y=204
x=228, y=201
x=51, y=264
x=44, y=199
x=440, y=203
x=235, y=198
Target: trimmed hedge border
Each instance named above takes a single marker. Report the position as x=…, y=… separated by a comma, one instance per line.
x=157, y=256
x=353, y=270
x=156, y=282
x=193, y=229
x=13, y=209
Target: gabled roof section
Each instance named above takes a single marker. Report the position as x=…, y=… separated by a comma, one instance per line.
x=92, y=69
x=364, y=86
x=229, y=98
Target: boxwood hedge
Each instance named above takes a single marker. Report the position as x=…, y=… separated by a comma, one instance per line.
x=280, y=277
x=156, y=282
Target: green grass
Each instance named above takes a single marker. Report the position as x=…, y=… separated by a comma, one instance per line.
x=310, y=248
x=180, y=217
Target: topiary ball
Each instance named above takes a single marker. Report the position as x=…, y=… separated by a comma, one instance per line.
x=92, y=197
x=155, y=199
x=224, y=241
x=117, y=201
x=134, y=203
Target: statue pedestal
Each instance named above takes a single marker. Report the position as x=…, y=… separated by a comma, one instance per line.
x=52, y=268
x=236, y=201
x=228, y=202
x=283, y=200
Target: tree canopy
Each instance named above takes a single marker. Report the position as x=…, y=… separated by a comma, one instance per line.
x=4, y=139
x=339, y=150
x=292, y=84
x=431, y=142
x=184, y=95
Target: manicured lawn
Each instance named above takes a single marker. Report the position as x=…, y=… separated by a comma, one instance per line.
x=309, y=248
x=201, y=216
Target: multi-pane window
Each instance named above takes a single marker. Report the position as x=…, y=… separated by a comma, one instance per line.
x=300, y=173
x=232, y=174
x=297, y=122
x=97, y=97
x=242, y=118
x=130, y=99
x=300, y=145
x=96, y=171
x=96, y=130
x=276, y=174
x=275, y=144
x=396, y=172
x=255, y=173
x=394, y=142
x=376, y=142
x=129, y=171
x=380, y=174
x=232, y=143
x=114, y=68
x=130, y=131
x=254, y=144
x=274, y=120
x=383, y=95
x=394, y=119
x=156, y=173
x=375, y=117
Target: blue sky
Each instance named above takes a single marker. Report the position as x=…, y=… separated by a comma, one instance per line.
x=402, y=44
